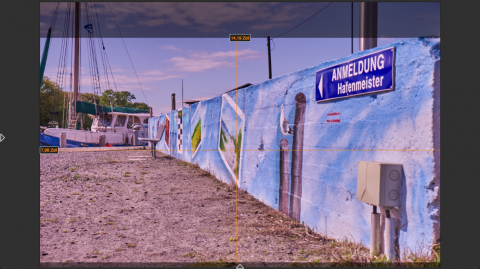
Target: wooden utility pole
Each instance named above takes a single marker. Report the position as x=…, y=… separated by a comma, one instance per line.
x=269, y=59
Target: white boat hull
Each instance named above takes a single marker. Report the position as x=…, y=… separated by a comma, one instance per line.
x=83, y=136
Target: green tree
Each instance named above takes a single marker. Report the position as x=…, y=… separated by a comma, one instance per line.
x=51, y=100
x=140, y=105
x=91, y=98
x=120, y=99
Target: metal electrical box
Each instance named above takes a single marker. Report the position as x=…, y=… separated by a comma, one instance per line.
x=379, y=184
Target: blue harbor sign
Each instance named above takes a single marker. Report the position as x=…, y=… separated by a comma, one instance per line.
x=367, y=74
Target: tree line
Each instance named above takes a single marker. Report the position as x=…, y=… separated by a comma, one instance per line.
x=54, y=102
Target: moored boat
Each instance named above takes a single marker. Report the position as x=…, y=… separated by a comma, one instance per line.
x=119, y=125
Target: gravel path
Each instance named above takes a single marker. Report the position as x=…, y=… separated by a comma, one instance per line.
x=124, y=208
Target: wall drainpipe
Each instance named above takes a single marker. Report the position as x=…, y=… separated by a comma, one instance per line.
x=284, y=165
x=297, y=156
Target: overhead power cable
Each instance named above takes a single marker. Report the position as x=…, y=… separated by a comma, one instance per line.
x=128, y=53
x=304, y=21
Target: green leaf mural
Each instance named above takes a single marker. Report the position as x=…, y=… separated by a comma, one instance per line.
x=238, y=143
x=197, y=136
x=222, y=139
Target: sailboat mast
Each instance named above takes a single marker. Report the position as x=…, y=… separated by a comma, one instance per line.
x=77, y=53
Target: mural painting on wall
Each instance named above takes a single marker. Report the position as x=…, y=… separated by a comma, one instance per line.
x=167, y=132
x=232, y=122
x=160, y=127
x=196, y=123
x=295, y=195
x=180, y=132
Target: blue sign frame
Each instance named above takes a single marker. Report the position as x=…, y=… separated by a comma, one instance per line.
x=352, y=78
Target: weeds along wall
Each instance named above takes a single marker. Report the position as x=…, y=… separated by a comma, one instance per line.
x=238, y=136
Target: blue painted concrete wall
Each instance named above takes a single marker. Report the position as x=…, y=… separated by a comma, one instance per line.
x=400, y=126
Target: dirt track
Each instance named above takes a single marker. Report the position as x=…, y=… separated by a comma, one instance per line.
x=99, y=207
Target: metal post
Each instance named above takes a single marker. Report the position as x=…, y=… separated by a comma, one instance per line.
x=269, y=59
x=173, y=101
x=375, y=233
x=101, y=141
x=63, y=140
x=182, y=93
x=368, y=25
x=389, y=238
x=351, y=27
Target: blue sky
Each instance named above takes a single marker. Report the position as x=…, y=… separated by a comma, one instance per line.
x=207, y=65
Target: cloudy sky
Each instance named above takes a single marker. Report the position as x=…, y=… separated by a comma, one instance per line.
x=168, y=42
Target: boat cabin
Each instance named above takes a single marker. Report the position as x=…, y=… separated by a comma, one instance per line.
x=120, y=122
x=52, y=124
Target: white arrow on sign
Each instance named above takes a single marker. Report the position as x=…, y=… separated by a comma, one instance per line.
x=320, y=86
x=2, y=137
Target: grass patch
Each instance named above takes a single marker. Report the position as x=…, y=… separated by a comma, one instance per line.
x=131, y=245
x=189, y=255
x=143, y=173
